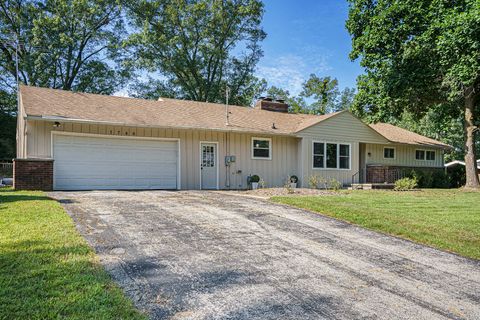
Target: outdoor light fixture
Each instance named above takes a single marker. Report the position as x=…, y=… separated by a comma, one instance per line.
x=56, y=124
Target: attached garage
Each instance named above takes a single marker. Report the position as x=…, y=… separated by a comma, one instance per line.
x=89, y=162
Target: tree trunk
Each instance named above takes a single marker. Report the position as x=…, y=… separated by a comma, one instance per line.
x=470, y=128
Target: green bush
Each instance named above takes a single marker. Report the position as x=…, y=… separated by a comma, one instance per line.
x=429, y=178
x=254, y=178
x=405, y=184
x=440, y=179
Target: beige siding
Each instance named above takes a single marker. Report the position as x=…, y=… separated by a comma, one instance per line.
x=342, y=128
x=274, y=172
x=404, y=156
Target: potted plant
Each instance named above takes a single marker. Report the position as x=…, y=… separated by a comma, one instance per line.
x=254, y=181
x=293, y=181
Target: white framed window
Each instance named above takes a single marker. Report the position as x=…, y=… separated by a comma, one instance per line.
x=327, y=155
x=420, y=155
x=430, y=155
x=262, y=148
x=388, y=153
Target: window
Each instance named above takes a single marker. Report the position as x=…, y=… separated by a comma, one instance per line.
x=331, y=155
x=261, y=148
x=389, y=153
x=420, y=154
x=318, y=155
x=430, y=155
x=344, y=157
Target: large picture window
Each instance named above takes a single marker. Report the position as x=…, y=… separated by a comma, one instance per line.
x=331, y=155
x=261, y=148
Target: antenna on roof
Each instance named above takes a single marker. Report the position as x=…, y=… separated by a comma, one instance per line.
x=227, y=92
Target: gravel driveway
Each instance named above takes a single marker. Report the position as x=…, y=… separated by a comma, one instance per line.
x=211, y=255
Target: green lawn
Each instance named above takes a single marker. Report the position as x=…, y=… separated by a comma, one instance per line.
x=446, y=219
x=47, y=270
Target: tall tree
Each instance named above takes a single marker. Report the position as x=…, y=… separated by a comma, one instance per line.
x=199, y=47
x=419, y=54
x=65, y=44
x=324, y=92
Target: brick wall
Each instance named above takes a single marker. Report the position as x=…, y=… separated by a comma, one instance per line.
x=390, y=174
x=33, y=174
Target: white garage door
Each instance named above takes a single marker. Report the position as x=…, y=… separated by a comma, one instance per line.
x=89, y=162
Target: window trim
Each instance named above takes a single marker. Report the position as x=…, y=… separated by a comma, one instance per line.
x=269, y=148
x=394, y=153
x=338, y=155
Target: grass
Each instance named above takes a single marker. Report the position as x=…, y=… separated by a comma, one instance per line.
x=445, y=219
x=47, y=270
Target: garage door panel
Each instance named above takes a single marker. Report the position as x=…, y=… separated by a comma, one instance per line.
x=84, y=162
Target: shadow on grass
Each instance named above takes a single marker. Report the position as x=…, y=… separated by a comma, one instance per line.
x=10, y=195
x=40, y=280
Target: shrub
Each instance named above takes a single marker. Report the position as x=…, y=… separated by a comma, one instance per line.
x=405, y=184
x=262, y=184
x=288, y=186
x=313, y=181
x=334, y=184
x=440, y=179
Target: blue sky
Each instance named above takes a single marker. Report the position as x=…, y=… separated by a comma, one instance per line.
x=304, y=37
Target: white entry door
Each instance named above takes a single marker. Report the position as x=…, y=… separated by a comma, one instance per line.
x=100, y=162
x=208, y=165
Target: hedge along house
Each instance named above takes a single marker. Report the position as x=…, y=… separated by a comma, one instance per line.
x=79, y=141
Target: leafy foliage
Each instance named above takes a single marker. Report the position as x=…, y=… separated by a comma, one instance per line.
x=322, y=93
x=199, y=47
x=405, y=184
x=65, y=44
x=419, y=55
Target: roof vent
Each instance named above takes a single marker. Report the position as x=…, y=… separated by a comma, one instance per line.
x=268, y=104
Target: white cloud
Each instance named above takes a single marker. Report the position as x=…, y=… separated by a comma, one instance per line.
x=291, y=70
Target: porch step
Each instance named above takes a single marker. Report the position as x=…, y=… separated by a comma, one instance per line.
x=370, y=186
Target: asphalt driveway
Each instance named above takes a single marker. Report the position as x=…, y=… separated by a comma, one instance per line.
x=209, y=255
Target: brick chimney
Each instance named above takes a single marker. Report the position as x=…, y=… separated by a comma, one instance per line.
x=269, y=104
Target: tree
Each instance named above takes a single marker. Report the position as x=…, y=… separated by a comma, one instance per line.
x=419, y=54
x=345, y=99
x=200, y=47
x=63, y=44
x=324, y=92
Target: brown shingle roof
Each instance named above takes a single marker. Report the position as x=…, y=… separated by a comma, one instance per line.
x=171, y=113
x=162, y=113
x=398, y=135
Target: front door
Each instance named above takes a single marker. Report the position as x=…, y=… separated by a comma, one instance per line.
x=208, y=165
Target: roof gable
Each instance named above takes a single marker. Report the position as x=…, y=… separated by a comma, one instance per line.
x=343, y=126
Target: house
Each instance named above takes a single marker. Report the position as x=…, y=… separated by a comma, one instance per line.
x=79, y=141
